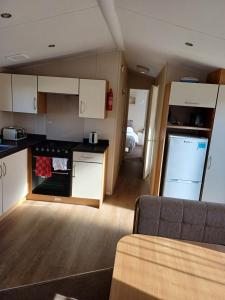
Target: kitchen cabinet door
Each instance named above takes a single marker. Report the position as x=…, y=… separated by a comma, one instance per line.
x=58, y=85
x=193, y=94
x=87, y=180
x=24, y=89
x=92, y=95
x=214, y=183
x=1, y=174
x=15, y=178
x=6, y=92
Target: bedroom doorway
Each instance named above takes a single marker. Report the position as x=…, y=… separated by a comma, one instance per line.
x=136, y=124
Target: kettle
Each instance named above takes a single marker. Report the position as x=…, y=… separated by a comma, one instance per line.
x=93, y=137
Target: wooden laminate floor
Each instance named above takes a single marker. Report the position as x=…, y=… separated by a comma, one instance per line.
x=41, y=241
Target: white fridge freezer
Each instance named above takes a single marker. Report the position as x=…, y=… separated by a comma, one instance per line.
x=184, y=166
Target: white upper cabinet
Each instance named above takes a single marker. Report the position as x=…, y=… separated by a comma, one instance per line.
x=5, y=92
x=92, y=96
x=193, y=94
x=24, y=89
x=58, y=85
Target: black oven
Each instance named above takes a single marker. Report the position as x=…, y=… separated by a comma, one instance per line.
x=60, y=181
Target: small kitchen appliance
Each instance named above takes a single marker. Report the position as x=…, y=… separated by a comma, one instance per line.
x=93, y=138
x=13, y=133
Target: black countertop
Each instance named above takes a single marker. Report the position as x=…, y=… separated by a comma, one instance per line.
x=33, y=139
x=94, y=148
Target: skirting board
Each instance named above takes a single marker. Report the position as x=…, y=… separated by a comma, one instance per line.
x=68, y=200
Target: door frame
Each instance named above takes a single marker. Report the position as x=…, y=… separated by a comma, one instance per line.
x=148, y=124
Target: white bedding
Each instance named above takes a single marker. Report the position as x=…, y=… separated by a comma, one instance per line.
x=131, y=139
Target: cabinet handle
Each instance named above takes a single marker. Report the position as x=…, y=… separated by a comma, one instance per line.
x=82, y=107
x=191, y=102
x=35, y=103
x=4, y=169
x=209, y=162
x=73, y=175
x=0, y=172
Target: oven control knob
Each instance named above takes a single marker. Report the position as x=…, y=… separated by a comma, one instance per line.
x=42, y=149
x=36, y=148
x=58, y=151
x=53, y=150
x=47, y=150
x=66, y=151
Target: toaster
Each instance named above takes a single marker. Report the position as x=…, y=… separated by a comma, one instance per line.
x=13, y=133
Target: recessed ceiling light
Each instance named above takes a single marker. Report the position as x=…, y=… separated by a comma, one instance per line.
x=51, y=45
x=189, y=44
x=142, y=69
x=6, y=15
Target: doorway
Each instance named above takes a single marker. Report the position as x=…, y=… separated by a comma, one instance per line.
x=140, y=132
x=136, y=121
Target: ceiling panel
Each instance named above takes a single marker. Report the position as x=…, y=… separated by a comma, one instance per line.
x=200, y=15
x=74, y=32
x=24, y=11
x=152, y=42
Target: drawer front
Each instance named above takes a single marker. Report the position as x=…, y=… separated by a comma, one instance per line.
x=88, y=157
x=193, y=94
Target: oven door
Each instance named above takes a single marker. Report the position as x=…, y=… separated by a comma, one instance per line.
x=59, y=184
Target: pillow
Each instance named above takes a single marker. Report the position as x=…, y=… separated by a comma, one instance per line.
x=130, y=130
x=60, y=297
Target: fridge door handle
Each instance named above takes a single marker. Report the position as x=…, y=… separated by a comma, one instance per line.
x=175, y=180
x=209, y=162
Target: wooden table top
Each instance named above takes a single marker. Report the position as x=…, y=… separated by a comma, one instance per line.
x=149, y=267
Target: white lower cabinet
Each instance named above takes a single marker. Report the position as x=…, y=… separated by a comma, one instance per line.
x=14, y=179
x=88, y=177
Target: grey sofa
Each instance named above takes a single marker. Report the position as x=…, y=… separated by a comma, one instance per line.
x=180, y=219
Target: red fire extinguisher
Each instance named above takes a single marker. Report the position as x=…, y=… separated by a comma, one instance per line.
x=109, y=102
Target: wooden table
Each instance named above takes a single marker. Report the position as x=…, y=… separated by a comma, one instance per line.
x=148, y=267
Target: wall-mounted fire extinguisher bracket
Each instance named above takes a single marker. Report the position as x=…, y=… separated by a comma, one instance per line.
x=109, y=100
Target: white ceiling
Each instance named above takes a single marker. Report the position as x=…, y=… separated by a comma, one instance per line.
x=153, y=31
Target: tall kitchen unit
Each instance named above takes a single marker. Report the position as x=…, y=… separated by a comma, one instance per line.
x=188, y=110
x=214, y=183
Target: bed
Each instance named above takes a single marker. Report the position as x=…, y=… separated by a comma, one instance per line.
x=131, y=139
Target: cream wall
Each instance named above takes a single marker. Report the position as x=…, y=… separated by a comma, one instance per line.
x=62, y=117
x=175, y=72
